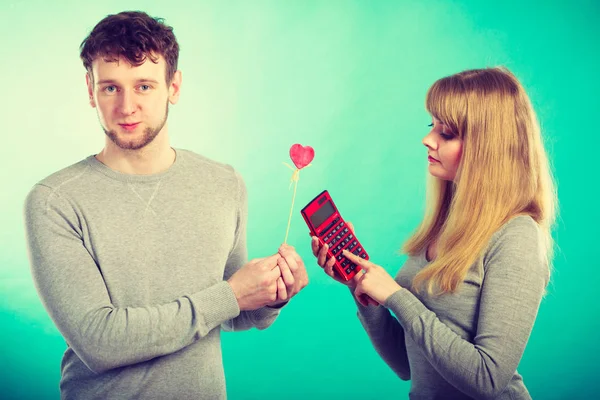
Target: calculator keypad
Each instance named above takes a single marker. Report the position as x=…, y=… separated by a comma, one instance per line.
x=338, y=237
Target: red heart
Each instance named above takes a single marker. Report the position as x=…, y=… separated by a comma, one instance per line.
x=301, y=155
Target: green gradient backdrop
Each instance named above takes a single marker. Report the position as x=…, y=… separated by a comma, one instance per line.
x=349, y=79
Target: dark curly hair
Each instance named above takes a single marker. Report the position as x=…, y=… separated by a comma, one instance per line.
x=133, y=35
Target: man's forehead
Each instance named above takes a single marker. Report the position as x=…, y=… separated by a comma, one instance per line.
x=121, y=66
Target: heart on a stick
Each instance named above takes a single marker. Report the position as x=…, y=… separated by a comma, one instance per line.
x=301, y=155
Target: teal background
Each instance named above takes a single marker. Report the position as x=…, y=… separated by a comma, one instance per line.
x=348, y=78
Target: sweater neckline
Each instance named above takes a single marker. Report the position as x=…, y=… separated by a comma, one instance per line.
x=98, y=166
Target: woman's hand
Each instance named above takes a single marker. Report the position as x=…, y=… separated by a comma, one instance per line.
x=320, y=252
x=374, y=281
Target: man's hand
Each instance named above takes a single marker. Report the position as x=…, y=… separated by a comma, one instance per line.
x=293, y=275
x=255, y=284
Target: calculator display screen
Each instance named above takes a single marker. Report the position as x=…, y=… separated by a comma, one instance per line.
x=324, y=212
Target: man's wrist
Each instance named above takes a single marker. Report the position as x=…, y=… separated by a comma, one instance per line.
x=278, y=306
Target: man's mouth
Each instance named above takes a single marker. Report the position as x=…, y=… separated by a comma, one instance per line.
x=129, y=127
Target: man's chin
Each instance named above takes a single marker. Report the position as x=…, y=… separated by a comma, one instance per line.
x=127, y=141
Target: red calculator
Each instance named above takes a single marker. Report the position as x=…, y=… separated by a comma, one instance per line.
x=326, y=223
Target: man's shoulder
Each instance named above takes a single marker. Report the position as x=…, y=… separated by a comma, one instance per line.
x=53, y=184
x=65, y=175
x=204, y=165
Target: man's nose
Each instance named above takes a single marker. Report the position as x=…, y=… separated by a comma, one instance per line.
x=127, y=103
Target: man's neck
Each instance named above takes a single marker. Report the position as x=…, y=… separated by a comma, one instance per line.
x=154, y=158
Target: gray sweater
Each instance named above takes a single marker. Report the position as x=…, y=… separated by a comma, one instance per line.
x=132, y=269
x=467, y=344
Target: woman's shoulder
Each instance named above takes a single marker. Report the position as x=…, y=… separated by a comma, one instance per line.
x=519, y=225
x=519, y=239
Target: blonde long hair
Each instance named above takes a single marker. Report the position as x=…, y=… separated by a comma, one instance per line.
x=503, y=172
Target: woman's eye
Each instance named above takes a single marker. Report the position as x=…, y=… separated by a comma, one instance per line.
x=446, y=136
x=430, y=125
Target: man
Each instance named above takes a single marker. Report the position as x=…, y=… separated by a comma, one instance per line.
x=139, y=252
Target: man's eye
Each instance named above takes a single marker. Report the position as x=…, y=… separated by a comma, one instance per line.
x=144, y=88
x=110, y=89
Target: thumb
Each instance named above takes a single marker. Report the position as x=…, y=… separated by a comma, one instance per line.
x=269, y=262
x=350, y=225
x=361, y=296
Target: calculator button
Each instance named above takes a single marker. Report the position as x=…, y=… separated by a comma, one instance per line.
x=353, y=245
x=345, y=230
x=360, y=248
x=334, y=251
x=356, y=252
x=348, y=270
x=345, y=262
x=339, y=258
x=364, y=255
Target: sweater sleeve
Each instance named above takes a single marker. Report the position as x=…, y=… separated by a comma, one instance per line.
x=387, y=336
x=73, y=291
x=514, y=282
x=260, y=318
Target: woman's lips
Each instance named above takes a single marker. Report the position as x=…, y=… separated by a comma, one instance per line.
x=431, y=159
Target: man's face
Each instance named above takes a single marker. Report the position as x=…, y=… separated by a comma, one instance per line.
x=132, y=102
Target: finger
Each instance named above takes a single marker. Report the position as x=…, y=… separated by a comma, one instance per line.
x=286, y=246
x=360, y=296
x=323, y=255
x=358, y=276
x=289, y=254
x=301, y=276
x=286, y=275
x=270, y=262
x=314, y=244
x=366, y=265
x=371, y=301
x=350, y=225
x=273, y=274
x=282, y=293
x=329, y=266
x=368, y=301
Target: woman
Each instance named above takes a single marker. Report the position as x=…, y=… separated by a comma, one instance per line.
x=457, y=317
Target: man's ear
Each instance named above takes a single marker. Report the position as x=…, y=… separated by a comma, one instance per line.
x=175, y=87
x=90, y=86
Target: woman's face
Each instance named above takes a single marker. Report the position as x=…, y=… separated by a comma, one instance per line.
x=444, y=149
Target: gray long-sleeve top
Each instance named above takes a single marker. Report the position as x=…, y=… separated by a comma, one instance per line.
x=132, y=269
x=467, y=344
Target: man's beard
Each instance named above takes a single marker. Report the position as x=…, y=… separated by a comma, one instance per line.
x=149, y=134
